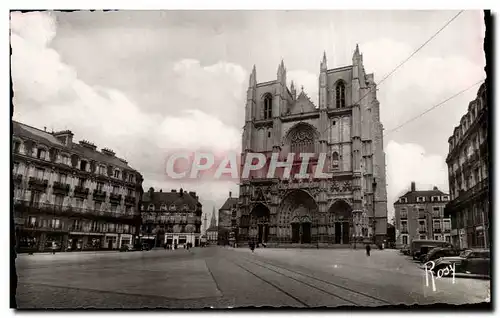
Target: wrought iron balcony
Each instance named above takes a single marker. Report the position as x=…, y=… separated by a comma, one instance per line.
x=405, y=230
x=18, y=178
x=37, y=183
x=60, y=188
x=116, y=198
x=129, y=199
x=422, y=230
x=437, y=230
x=99, y=195
x=81, y=192
x=39, y=226
x=447, y=230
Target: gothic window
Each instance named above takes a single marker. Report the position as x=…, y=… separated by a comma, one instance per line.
x=340, y=95
x=268, y=106
x=335, y=159
x=302, y=140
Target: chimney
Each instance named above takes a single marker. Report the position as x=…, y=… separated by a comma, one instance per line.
x=435, y=188
x=173, y=191
x=413, y=186
x=230, y=194
x=161, y=190
x=44, y=128
x=151, y=191
x=65, y=137
x=181, y=192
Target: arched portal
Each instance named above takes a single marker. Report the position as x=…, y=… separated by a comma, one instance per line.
x=296, y=218
x=259, y=223
x=340, y=222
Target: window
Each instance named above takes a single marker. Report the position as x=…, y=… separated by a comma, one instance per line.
x=335, y=159
x=151, y=207
x=268, y=106
x=99, y=186
x=404, y=213
x=403, y=200
x=422, y=226
x=116, y=189
x=445, y=198
x=421, y=213
x=39, y=173
x=55, y=223
x=131, y=178
x=435, y=198
x=340, y=95
x=423, y=237
x=59, y=199
x=126, y=228
x=438, y=237
x=447, y=238
x=436, y=224
x=114, y=208
x=65, y=159
x=97, y=206
x=405, y=239
x=16, y=167
x=32, y=221
x=172, y=207
x=333, y=123
x=446, y=224
x=83, y=165
x=102, y=169
x=17, y=145
x=436, y=212
x=163, y=207
x=404, y=226
x=130, y=193
x=420, y=199
x=117, y=174
x=81, y=182
x=40, y=154
x=185, y=207
x=78, y=202
x=62, y=178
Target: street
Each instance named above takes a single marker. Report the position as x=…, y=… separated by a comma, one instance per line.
x=225, y=277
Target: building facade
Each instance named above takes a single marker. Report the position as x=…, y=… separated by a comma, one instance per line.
x=172, y=218
x=419, y=214
x=468, y=176
x=70, y=196
x=352, y=205
x=213, y=230
x=228, y=228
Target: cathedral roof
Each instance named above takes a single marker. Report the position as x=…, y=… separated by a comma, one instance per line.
x=230, y=203
x=303, y=104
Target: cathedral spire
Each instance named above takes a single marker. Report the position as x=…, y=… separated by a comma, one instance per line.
x=323, y=62
x=253, y=77
x=356, y=51
x=292, y=90
x=213, y=222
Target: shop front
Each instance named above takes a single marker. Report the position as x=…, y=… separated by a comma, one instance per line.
x=110, y=241
x=125, y=239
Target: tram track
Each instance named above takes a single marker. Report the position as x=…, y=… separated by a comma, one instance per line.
x=340, y=292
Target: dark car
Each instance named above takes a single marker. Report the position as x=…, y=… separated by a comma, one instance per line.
x=145, y=247
x=126, y=248
x=473, y=261
x=439, y=252
x=424, y=249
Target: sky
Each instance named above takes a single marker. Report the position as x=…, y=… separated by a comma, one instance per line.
x=145, y=83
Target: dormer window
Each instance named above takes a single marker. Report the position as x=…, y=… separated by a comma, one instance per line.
x=83, y=165
x=102, y=169
x=420, y=199
x=16, y=147
x=172, y=207
x=185, y=207
x=163, y=207
x=435, y=198
x=403, y=200
x=40, y=154
x=117, y=173
x=130, y=178
x=445, y=198
x=151, y=207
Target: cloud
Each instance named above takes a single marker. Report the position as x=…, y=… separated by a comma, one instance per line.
x=49, y=92
x=410, y=162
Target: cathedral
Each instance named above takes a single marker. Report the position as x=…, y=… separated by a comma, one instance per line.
x=349, y=207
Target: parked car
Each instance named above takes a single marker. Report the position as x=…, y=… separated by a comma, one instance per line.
x=145, y=247
x=473, y=261
x=416, y=244
x=424, y=249
x=405, y=250
x=126, y=248
x=439, y=252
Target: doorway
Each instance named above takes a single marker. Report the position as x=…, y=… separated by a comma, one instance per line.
x=295, y=232
x=306, y=233
x=345, y=232
x=338, y=233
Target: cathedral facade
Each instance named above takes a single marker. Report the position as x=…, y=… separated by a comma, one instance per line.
x=351, y=206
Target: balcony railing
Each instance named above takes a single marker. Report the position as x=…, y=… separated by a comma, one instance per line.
x=38, y=183
x=99, y=195
x=60, y=188
x=422, y=230
x=39, y=226
x=129, y=199
x=437, y=230
x=466, y=195
x=447, y=230
x=404, y=216
x=39, y=207
x=404, y=230
x=18, y=178
x=113, y=197
x=81, y=192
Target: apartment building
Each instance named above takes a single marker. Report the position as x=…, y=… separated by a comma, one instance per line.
x=419, y=214
x=468, y=176
x=70, y=196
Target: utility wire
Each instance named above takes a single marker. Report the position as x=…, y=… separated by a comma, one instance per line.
x=433, y=107
x=408, y=58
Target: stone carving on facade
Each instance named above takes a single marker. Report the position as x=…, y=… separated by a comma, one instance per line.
x=346, y=187
x=335, y=187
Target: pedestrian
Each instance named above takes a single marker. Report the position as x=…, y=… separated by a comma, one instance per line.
x=53, y=247
x=368, y=249
x=252, y=246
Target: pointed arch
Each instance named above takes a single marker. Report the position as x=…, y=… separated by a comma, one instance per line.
x=340, y=94
x=268, y=106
